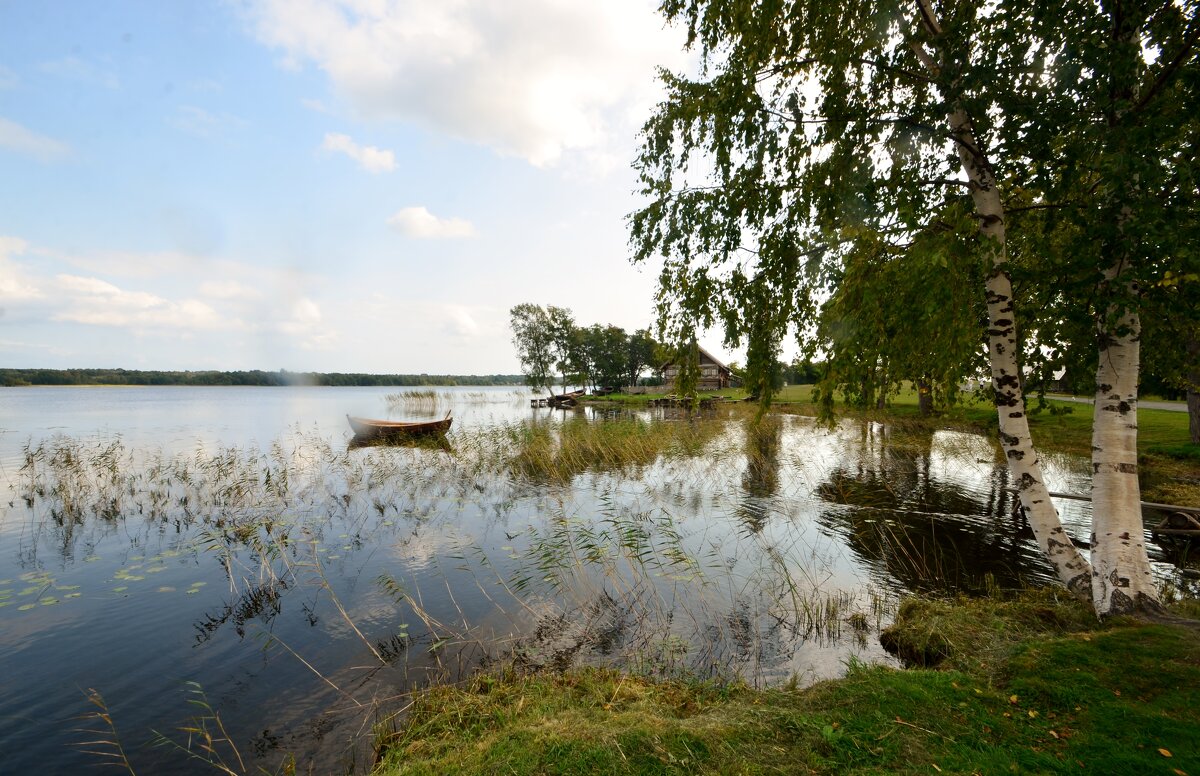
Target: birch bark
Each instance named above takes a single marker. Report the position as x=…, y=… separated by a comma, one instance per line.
x=1072, y=568
x=1122, y=580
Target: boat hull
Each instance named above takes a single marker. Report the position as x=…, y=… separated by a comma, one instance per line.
x=367, y=428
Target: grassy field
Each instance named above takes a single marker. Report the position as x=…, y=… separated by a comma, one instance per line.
x=1033, y=685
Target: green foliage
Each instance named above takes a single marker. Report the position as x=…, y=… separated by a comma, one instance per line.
x=562, y=328
x=608, y=352
x=534, y=337
x=838, y=153
x=639, y=355
x=905, y=314
x=831, y=174
x=602, y=356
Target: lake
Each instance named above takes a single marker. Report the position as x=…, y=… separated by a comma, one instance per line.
x=216, y=573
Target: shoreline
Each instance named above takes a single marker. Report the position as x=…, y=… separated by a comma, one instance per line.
x=1032, y=683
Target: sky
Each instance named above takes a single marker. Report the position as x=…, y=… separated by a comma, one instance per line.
x=325, y=185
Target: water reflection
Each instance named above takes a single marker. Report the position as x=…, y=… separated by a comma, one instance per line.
x=901, y=514
x=420, y=442
x=306, y=574
x=760, y=479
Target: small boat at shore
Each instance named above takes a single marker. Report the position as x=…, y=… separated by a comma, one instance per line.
x=366, y=428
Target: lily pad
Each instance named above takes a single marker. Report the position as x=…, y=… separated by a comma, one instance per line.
x=25, y=607
x=48, y=601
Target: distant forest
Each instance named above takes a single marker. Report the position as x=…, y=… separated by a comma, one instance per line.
x=19, y=377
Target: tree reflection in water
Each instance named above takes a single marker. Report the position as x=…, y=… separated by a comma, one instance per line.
x=922, y=531
x=760, y=480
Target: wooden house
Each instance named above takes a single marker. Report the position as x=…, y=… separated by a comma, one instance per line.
x=714, y=376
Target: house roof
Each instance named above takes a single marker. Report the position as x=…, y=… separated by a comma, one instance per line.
x=705, y=354
x=712, y=358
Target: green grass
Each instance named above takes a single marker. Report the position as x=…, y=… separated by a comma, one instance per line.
x=1063, y=695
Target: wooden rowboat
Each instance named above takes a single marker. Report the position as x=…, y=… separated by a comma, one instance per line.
x=366, y=428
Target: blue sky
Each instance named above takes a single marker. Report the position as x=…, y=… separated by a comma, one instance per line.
x=334, y=185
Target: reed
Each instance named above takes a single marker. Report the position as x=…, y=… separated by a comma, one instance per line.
x=671, y=547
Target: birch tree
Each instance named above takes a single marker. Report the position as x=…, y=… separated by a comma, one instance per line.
x=534, y=338
x=814, y=123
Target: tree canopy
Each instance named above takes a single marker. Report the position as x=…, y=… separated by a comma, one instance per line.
x=843, y=170
x=598, y=356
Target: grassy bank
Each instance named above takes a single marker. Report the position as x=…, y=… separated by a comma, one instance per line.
x=1033, y=685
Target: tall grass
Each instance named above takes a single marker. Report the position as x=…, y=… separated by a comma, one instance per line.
x=670, y=547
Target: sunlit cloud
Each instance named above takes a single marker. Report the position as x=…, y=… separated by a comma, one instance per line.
x=418, y=222
x=96, y=302
x=528, y=78
x=229, y=289
x=25, y=141
x=370, y=158
x=16, y=285
x=182, y=301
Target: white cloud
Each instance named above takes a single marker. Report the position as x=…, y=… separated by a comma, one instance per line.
x=8, y=79
x=96, y=302
x=530, y=78
x=370, y=158
x=229, y=289
x=17, y=138
x=303, y=316
x=202, y=123
x=418, y=222
x=459, y=323
x=172, y=296
x=315, y=105
x=11, y=245
x=15, y=283
x=75, y=69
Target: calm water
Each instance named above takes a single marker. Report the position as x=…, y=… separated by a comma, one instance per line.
x=189, y=553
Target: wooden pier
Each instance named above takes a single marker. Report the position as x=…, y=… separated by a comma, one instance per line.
x=1179, y=521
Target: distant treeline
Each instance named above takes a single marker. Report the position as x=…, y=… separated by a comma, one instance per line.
x=16, y=377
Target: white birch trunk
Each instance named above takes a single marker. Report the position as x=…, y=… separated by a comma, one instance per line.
x=1072, y=568
x=1122, y=580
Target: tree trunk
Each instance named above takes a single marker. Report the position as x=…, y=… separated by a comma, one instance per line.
x=1122, y=580
x=1193, y=386
x=924, y=397
x=1072, y=568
